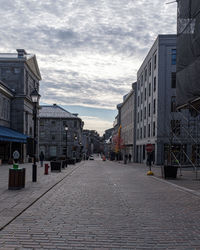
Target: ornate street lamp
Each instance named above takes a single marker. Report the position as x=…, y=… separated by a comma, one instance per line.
x=35, y=96
x=66, y=129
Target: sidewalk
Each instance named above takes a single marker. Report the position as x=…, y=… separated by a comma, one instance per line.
x=14, y=202
x=186, y=178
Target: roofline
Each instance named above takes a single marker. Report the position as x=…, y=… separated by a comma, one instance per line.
x=51, y=106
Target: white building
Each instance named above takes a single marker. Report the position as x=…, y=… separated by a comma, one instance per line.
x=156, y=93
x=128, y=123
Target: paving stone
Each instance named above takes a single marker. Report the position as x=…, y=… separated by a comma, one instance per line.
x=105, y=205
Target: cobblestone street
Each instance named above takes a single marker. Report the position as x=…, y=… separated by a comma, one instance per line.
x=107, y=205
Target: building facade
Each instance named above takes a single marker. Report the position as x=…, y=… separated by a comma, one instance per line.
x=128, y=124
x=19, y=75
x=53, y=138
x=156, y=94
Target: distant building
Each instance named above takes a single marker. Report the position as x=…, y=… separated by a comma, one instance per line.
x=19, y=76
x=91, y=142
x=52, y=133
x=128, y=124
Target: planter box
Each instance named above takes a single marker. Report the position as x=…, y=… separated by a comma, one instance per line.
x=56, y=166
x=16, y=178
x=170, y=172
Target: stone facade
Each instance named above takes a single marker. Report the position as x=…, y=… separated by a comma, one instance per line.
x=6, y=97
x=20, y=72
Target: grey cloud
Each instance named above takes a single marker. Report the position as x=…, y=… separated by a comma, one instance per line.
x=64, y=29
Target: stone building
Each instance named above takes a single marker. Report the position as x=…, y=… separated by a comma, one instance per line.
x=19, y=75
x=92, y=143
x=52, y=133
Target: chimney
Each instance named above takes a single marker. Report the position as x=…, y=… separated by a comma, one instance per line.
x=21, y=53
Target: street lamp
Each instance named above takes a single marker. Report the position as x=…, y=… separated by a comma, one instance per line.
x=35, y=96
x=66, y=129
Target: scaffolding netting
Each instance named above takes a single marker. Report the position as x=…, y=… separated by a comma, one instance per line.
x=188, y=51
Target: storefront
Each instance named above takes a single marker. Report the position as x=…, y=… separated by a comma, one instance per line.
x=11, y=140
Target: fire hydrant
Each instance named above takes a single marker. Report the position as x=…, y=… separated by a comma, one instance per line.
x=46, y=167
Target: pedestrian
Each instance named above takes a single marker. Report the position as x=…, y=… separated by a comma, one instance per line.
x=41, y=158
x=129, y=157
x=149, y=160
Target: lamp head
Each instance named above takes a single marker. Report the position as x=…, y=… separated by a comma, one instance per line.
x=35, y=96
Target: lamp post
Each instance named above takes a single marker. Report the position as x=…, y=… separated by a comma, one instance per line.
x=35, y=96
x=66, y=129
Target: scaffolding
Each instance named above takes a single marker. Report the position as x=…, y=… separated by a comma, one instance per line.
x=184, y=146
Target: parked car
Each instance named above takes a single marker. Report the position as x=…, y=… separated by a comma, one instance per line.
x=91, y=157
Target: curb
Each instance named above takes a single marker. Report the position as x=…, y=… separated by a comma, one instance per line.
x=39, y=197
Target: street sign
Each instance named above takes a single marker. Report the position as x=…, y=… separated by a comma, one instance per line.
x=149, y=148
x=16, y=155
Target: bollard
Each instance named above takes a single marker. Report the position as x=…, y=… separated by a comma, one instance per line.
x=46, y=167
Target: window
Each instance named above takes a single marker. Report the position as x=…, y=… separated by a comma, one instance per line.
x=41, y=123
x=141, y=97
x=140, y=133
x=173, y=80
x=42, y=134
x=173, y=56
x=145, y=94
x=149, y=89
x=176, y=127
x=154, y=106
x=141, y=115
x=145, y=113
x=138, y=84
x=154, y=84
x=138, y=116
x=53, y=137
x=26, y=122
x=145, y=74
x=144, y=131
x=149, y=130
x=173, y=104
x=149, y=68
x=52, y=151
x=17, y=70
x=138, y=101
x=149, y=109
x=155, y=61
x=154, y=128
x=141, y=80
x=53, y=123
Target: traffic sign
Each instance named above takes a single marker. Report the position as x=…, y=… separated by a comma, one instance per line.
x=149, y=148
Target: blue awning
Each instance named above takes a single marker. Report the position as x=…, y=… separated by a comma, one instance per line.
x=7, y=134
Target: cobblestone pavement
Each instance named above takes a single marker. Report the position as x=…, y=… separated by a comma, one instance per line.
x=106, y=205
x=13, y=202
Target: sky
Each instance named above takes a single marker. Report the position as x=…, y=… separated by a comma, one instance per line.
x=88, y=51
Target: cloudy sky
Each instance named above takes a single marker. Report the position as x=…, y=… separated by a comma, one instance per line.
x=88, y=51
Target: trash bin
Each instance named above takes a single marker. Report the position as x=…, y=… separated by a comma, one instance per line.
x=17, y=178
x=55, y=166
x=170, y=171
